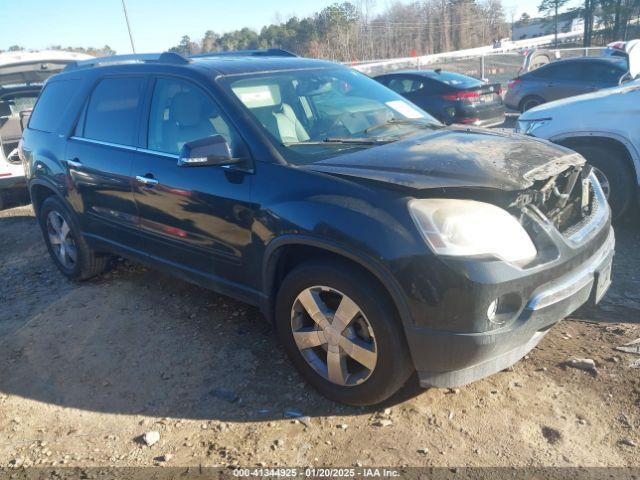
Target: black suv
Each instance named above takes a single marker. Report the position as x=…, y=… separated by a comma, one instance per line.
x=377, y=240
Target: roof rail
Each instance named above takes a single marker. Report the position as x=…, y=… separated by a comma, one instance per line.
x=268, y=52
x=166, y=57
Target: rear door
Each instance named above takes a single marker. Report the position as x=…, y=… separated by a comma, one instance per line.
x=561, y=79
x=197, y=218
x=100, y=155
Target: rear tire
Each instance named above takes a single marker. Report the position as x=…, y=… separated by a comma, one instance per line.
x=67, y=247
x=529, y=102
x=618, y=177
x=375, y=327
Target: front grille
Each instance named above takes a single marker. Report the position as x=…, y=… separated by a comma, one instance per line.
x=571, y=230
x=572, y=201
x=567, y=200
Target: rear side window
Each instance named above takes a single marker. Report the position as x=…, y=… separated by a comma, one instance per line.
x=52, y=104
x=403, y=85
x=562, y=70
x=112, y=112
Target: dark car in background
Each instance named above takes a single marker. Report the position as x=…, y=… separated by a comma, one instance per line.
x=377, y=240
x=450, y=97
x=564, y=78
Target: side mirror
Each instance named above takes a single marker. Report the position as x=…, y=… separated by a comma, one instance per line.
x=208, y=151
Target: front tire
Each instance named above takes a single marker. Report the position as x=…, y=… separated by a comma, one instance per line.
x=530, y=102
x=342, y=333
x=67, y=247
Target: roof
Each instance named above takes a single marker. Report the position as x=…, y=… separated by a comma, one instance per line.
x=424, y=73
x=223, y=63
x=430, y=74
x=615, y=60
x=236, y=65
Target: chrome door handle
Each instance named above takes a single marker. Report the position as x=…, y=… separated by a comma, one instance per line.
x=147, y=181
x=75, y=163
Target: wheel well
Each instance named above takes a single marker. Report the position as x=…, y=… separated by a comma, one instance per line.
x=38, y=195
x=604, y=142
x=287, y=257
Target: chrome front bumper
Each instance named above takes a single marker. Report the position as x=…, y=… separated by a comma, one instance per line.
x=596, y=268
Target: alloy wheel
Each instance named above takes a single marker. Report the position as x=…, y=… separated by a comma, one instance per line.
x=61, y=240
x=334, y=336
x=529, y=104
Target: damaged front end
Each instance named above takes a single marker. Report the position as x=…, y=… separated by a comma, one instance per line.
x=566, y=199
x=571, y=202
x=505, y=308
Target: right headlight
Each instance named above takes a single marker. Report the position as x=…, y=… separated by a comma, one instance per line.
x=466, y=228
x=527, y=127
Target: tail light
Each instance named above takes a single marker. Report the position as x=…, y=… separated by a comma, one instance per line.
x=514, y=83
x=468, y=96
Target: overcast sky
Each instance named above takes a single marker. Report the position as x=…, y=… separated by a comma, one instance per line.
x=156, y=24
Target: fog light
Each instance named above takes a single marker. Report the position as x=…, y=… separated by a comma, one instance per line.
x=492, y=310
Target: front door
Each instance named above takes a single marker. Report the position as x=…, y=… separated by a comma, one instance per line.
x=197, y=218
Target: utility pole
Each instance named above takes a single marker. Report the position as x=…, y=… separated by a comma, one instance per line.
x=126, y=18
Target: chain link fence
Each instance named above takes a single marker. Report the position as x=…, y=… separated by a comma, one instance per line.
x=498, y=67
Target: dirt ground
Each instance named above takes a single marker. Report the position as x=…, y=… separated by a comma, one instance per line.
x=87, y=369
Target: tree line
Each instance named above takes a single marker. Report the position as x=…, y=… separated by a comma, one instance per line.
x=617, y=19
x=346, y=32
x=95, y=52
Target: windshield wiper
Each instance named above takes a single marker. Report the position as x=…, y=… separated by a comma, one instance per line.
x=341, y=140
x=396, y=121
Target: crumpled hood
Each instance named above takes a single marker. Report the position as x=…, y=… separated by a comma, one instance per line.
x=456, y=157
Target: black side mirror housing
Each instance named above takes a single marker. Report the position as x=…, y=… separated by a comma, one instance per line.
x=208, y=151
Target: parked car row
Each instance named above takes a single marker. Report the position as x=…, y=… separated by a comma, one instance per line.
x=378, y=241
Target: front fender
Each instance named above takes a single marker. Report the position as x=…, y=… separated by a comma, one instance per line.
x=377, y=269
x=592, y=134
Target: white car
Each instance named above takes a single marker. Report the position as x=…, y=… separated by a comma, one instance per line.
x=21, y=77
x=603, y=126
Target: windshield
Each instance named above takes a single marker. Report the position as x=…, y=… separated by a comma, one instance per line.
x=315, y=114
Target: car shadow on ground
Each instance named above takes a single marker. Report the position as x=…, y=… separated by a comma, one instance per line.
x=135, y=341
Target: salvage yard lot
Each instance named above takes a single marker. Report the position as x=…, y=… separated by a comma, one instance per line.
x=87, y=369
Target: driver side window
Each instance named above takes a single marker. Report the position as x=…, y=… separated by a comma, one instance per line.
x=180, y=113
